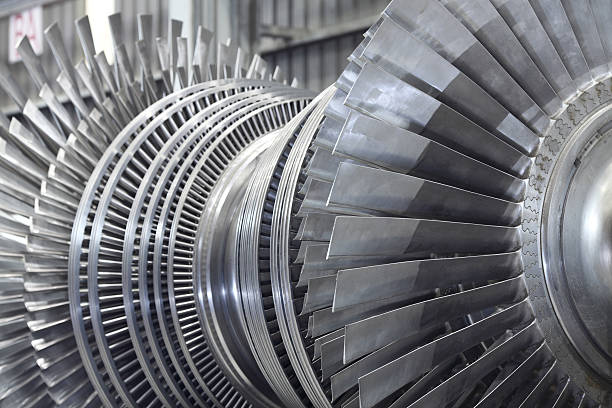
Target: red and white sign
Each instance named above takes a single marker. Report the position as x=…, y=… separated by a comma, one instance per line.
x=27, y=22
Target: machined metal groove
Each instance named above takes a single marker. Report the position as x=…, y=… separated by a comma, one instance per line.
x=153, y=207
x=172, y=232
x=256, y=195
x=261, y=343
x=187, y=161
x=86, y=352
x=223, y=315
x=182, y=207
x=280, y=278
x=136, y=125
x=92, y=247
x=130, y=231
x=141, y=284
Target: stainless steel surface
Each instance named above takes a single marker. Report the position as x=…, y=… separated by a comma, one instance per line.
x=587, y=212
x=430, y=231
x=575, y=231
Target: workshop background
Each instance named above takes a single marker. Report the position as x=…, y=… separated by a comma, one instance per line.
x=308, y=39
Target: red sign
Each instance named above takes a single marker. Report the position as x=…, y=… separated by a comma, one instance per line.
x=27, y=22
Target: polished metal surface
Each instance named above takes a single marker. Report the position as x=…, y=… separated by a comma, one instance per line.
x=586, y=220
x=576, y=220
x=433, y=230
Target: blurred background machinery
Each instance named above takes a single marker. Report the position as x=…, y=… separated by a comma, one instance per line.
x=308, y=39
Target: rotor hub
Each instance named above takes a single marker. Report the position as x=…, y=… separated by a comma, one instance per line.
x=578, y=240
x=572, y=289
x=587, y=242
